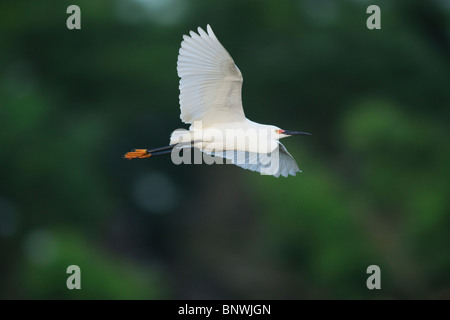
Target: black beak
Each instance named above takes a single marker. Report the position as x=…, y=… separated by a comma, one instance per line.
x=295, y=133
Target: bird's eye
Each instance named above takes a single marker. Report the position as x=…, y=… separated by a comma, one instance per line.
x=278, y=131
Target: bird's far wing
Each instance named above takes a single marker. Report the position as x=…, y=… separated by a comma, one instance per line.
x=258, y=162
x=288, y=166
x=210, y=85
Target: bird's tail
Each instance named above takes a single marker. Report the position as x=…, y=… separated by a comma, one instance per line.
x=137, y=154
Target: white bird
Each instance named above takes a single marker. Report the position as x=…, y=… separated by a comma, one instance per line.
x=210, y=100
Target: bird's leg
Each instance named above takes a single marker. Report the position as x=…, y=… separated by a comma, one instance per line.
x=145, y=153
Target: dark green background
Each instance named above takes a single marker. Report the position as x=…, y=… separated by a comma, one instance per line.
x=375, y=181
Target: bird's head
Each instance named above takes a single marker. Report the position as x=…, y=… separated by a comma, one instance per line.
x=280, y=133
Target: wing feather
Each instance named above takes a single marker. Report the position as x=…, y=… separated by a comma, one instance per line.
x=210, y=84
x=253, y=161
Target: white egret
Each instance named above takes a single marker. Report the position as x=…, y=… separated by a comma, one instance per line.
x=210, y=100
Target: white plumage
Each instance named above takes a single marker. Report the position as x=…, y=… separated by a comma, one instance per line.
x=210, y=100
x=210, y=85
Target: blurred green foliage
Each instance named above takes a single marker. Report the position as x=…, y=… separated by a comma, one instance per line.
x=375, y=182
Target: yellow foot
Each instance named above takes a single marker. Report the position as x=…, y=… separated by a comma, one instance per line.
x=137, y=154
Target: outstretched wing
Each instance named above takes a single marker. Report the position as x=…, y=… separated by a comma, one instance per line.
x=263, y=163
x=210, y=85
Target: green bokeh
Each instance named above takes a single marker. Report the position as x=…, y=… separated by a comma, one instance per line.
x=376, y=175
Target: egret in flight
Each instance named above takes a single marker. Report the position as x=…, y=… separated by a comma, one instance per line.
x=210, y=100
